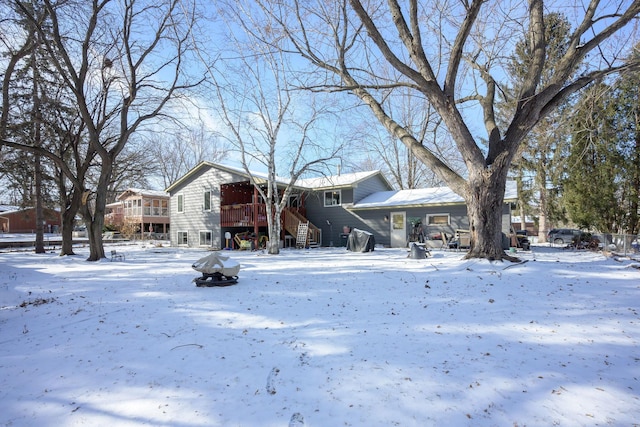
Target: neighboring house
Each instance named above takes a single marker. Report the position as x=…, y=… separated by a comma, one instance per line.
x=212, y=200
x=23, y=220
x=148, y=209
x=530, y=225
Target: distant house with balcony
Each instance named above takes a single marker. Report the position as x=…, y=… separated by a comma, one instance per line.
x=146, y=210
x=212, y=200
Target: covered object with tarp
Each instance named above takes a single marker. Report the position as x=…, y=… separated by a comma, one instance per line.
x=217, y=270
x=360, y=241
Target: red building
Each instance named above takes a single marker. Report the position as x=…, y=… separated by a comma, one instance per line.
x=16, y=220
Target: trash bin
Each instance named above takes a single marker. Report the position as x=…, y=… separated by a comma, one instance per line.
x=343, y=239
x=417, y=252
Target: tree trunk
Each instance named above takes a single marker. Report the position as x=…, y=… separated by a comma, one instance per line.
x=39, y=210
x=96, y=247
x=37, y=140
x=485, y=203
x=67, y=232
x=93, y=211
x=71, y=209
x=274, y=227
x=94, y=230
x=543, y=208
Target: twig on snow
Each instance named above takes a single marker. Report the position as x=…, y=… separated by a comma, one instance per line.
x=186, y=345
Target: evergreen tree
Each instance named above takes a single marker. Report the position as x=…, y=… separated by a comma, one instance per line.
x=537, y=167
x=627, y=125
x=596, y=166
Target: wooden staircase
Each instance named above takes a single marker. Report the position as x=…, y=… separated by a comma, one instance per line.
x=307, y=235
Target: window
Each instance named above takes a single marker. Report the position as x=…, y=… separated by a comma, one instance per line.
x=205, y=238
x=147, y=207
x=332, y=198
x=156, y=207
x=438, y=219
x=398, y=221
x=164, y=208
x=133, y=207
x=180, y=203
x=207, y=201
x=183, y=237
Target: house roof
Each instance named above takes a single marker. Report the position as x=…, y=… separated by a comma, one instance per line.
x=381, y=199
x=142, y=192
x=259, y=177
x=338, y=181
x=9, y=208
x=422, y=197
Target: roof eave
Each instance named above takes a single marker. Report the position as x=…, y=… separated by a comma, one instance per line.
x=415, y=205
x=406, y=206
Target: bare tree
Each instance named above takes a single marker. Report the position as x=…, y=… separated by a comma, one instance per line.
x=26, y=82
x=386, y=153
x=175, y=153
x=124, y=62
x=267, y=120
x=346, y=40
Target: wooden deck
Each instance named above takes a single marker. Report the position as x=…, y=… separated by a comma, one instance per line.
x=243, y=215
x=250, y=215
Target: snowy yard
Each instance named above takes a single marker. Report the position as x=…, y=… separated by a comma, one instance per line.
x=320, y=337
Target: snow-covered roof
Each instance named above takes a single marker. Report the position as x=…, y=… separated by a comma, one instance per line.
x=9, y=208
x=259, y=177
x=518, y=218
x=422, y=197
x=143, y=192
x=342, y=180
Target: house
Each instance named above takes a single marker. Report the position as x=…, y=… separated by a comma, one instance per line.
x=530, y=224
x=436, y=211
x=146, y=210
x=23, y=220
x=330, y=200
x=212, y=202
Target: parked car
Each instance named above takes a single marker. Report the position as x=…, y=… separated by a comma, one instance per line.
x=565, y=236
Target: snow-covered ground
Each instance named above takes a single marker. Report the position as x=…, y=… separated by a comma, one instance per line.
x=320, y=337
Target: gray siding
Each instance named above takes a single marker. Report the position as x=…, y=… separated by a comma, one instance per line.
x=194, y=218
x=369, y=186
x=330, y=219
x=373, y=221
x=381, y=228
x=340, y=216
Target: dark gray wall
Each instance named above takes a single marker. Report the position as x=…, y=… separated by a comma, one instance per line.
x=369, y=186
x=373, y=220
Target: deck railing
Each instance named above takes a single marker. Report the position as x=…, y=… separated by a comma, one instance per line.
x=242, y=215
